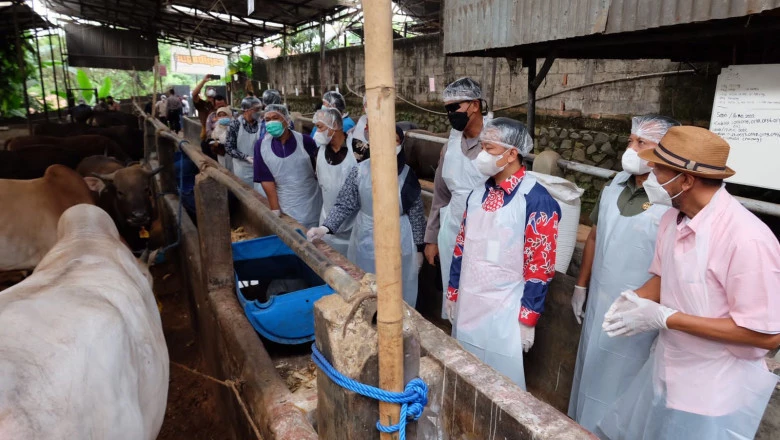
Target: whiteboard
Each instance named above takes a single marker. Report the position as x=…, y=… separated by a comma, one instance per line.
x=746, y=113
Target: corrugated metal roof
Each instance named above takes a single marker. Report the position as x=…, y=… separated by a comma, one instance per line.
x=91, y=46
x=474, y=25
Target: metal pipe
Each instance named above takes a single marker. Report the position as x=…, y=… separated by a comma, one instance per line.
x=54, y=71
x=531, y=116
x=23, y=67
x=756, y=206
x=40, y=71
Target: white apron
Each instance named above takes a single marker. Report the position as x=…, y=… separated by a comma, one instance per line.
x=245, y=143
x=297, y=189
x=361, y=244
x=624, y=250
x=331, y=179
x=461, y=177
x=691, y=387
x=492, y=284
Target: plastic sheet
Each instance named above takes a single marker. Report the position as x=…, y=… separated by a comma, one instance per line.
x=330, y=117
x=463, y=89
x=652, y=127
x=271, y=96
x=334, y=100
x=279, y=109
x=509, y=133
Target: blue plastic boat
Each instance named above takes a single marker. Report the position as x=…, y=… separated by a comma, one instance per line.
x=277, y=290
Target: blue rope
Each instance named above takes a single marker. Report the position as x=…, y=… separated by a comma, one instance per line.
x=412, y=400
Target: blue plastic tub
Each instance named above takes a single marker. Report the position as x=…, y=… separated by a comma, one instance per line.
x=286, y=317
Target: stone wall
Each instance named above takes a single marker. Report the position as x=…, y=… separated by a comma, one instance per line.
x=417, y=60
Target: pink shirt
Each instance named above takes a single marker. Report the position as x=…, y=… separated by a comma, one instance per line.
x=743, y=266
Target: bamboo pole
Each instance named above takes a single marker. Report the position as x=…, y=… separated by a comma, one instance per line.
x=380, y=92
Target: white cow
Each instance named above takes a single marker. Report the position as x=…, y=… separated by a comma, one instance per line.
x=82, y=352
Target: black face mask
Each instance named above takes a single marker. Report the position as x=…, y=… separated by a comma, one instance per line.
x=458, y=120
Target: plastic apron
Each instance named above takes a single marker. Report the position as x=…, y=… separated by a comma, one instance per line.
x=492, y=284
x=692, y=387
x=331, y=179
x=461, y=177
x=297, y=189
x=361, y=244
x=624, y=250
x=245, y=143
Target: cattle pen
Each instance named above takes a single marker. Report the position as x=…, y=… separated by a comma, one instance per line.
x=466, y=399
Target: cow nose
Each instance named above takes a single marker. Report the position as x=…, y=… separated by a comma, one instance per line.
x=139, y=216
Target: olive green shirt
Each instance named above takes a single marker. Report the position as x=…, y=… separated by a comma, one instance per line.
x=630, y=202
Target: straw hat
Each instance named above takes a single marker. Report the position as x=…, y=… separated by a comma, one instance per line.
x=692, y=150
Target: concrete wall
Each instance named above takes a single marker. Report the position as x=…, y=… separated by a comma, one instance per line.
x=418, y=59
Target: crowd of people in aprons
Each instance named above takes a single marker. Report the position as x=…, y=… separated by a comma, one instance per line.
x=678, y=288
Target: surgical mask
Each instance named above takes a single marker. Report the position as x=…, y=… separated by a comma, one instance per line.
x=398, y=149
x=633, y=164
x=224, y=121
x=486, y=163
x=274, y=128
x=656, y=193
x=257, y=115
x=321, y=137
x=458, y=120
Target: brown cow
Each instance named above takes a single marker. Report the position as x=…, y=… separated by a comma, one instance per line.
x=131, y=139
x=84, y=145
x=125, y=193
x=30, y=212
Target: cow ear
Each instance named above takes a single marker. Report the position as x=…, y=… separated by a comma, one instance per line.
x=95, y=184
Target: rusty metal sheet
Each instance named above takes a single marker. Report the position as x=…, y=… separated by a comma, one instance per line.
x=473, y=25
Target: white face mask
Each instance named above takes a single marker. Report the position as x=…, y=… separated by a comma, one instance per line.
x=656, y=193
x=633, y=164
x=486, y=163
x=321, y=137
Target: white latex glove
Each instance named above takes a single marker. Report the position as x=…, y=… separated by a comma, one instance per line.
x=451, y=310
x=276, y=212
x=250, y=159
x=420, y=259
x=527, y=334
x=646, y=316
x=620, y=305
x=578, y=302
x=317, y=233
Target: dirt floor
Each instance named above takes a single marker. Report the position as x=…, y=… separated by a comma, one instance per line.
x=192, y=412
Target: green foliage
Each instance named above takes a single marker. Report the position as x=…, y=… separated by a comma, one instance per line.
x=105, y=89
x=84, y=83
x=11, y=78
x=242, y=64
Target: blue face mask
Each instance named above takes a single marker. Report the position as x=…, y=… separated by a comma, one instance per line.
x=224, y=121
x=274, y=128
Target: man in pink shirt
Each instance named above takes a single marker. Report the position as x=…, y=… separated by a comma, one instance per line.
x=714, y=296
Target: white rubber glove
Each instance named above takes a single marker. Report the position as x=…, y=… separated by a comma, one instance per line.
x=620, y=305
x=420, y=259
x=527, y=334
x=451, y=309
x=276, y=212
x=250, y=159
x=317, y=233
x=578, y=302
x=646, y=316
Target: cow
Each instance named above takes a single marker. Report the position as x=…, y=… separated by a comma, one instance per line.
x=29, y=214
x=31, y=163
x=125, y=193
x=84, y=356
x=131, y=139
x=84, y=145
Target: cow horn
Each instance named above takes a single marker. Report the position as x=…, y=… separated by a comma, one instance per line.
x=153, y=172
x=105, y=177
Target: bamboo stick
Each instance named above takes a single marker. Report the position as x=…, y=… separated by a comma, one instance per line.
x=380, y=91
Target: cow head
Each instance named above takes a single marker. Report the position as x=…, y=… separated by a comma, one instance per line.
x=133, y=193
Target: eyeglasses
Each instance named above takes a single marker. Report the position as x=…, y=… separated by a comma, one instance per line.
x=453, y=107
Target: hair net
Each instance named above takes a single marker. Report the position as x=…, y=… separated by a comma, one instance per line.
x=279, y=109
x=250, y=102
x=335, y=100
x=272, y=96
x=225, y=110
x=652, y=127
x=330, y=117
x=463, y=89
x=509, y=133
